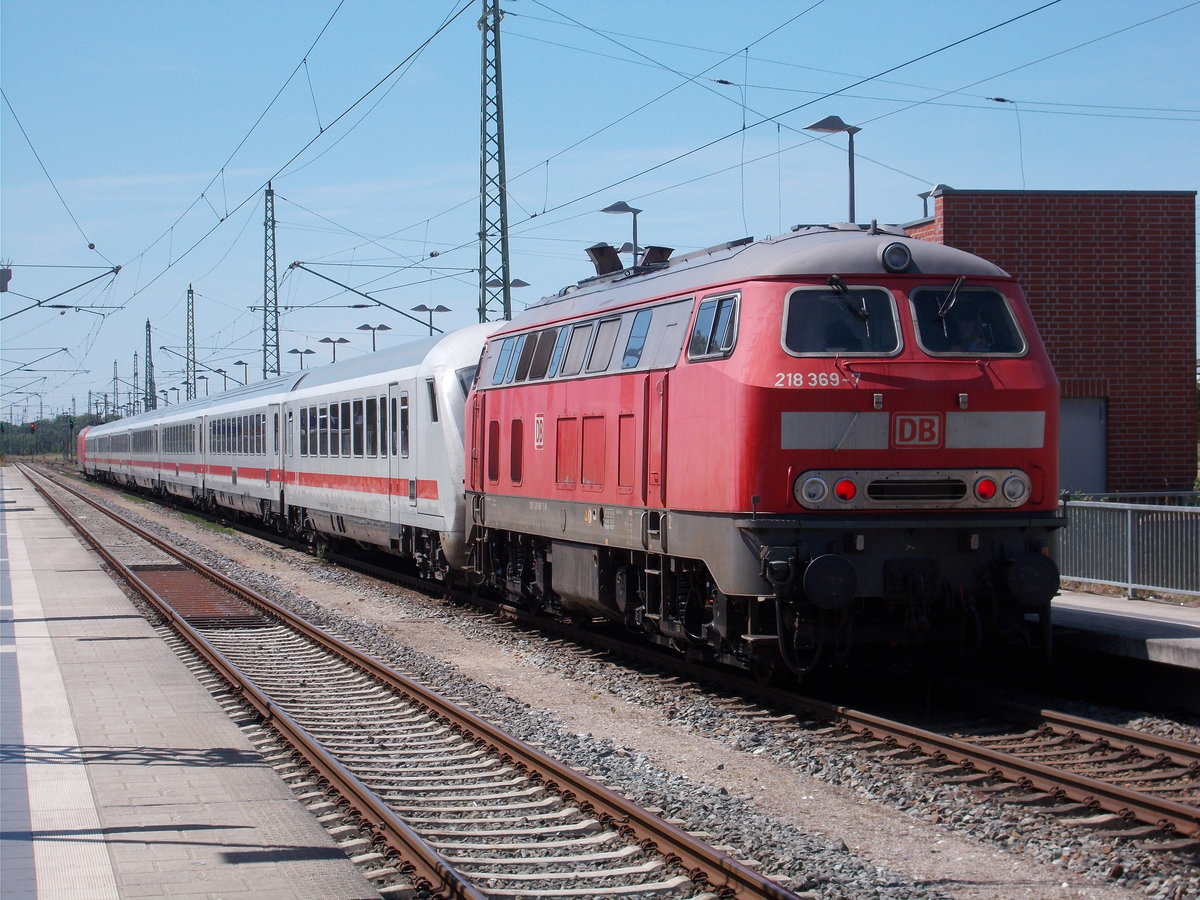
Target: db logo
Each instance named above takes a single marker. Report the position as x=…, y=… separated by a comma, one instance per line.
x=539, y=431
x=917, y=430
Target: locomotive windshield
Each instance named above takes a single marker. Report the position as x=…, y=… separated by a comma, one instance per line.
x=840, y=320
x=954, y=321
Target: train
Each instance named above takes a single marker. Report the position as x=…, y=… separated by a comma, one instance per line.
x=778, y=454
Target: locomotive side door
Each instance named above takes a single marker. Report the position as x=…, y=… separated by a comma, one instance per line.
x=656, y=439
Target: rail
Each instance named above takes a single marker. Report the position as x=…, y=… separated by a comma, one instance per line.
x=1138, y=546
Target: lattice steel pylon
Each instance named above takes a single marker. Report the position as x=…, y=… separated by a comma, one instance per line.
x=189, y=362
x=494, y=283
x=150, y=397
x=270, y=291
x=134, y=399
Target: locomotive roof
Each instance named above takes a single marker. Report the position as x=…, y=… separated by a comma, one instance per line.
x=843, y=249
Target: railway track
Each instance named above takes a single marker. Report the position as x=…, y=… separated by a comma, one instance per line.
x=1132, y=784
x=440, y=800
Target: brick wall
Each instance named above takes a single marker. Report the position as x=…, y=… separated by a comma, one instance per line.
x=1111, y=280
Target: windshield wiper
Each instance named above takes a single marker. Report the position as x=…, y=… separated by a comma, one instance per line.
x=843, y=292
x=859, y=309
x=944, y=308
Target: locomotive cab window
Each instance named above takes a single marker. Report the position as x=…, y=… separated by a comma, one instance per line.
x=959, y=321
x=715, y=329
x=842, y=321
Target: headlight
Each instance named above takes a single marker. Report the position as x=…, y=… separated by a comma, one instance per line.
x=1016, y=489
x=811, y=490
x=896, y=257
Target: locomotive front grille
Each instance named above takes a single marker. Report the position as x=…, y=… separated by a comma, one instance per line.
x=948, y=489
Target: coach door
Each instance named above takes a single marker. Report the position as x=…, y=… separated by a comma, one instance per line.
x=402, y=463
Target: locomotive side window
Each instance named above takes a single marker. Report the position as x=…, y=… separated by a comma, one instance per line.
x=506, y=350
x=637, y=339
x=526, y=360
x=715, y=329
x=556, y=357
x=515, y=441
x=514, y=358
x=547, y=343
x=493, y=451
x=957, y=321
x=602, y=349
x=576, y=348
x=840, y=321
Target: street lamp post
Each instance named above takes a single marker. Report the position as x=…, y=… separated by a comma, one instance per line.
x=425, y=309
x=245, y=370
x=224, y=375
x=164, y=396
x=622, y=207
x=334, y=342
x=834, y=125
x=302, y=353
x=176, y=390
x=203, y=378
x=373, y=329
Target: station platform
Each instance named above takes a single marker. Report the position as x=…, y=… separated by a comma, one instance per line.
x=1138, y=629
x=120, y=775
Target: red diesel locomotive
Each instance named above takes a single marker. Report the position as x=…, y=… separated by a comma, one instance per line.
x=773, y=453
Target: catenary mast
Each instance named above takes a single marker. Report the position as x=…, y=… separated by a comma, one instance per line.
x=495, y=289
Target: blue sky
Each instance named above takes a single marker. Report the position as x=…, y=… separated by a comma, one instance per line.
x=159, y=123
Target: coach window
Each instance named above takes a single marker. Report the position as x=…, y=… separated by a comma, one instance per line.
x=433, y=404
x=323, y=430
x=840, y=320
x=346, y=426
x=287, y=438
x=493, y=451
x=515, y=441
x=404, y=424
x=395, y=420
x=576, y=348
x=360, y=426
x=715, y=329
x=637, y=339
x=602, y=349
x=304, y=431
x=383, y=427
x=370, y=428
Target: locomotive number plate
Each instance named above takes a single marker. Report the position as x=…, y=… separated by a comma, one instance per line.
x=808, y=379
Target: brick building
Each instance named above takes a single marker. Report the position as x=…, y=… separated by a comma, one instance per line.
x=1111, y=280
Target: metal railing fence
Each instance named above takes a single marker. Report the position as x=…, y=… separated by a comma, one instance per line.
x=1143, y=546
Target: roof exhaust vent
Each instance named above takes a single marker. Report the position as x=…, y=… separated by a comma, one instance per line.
x=655, y=257
x=604, y=257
